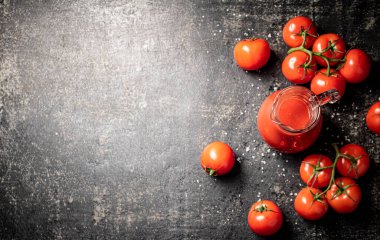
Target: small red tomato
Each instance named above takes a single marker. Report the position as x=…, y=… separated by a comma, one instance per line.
x=252, y=54
x=308, y=207
x=321, y=82
x=344, y=195
x=373, y=118
x=356, y=67
x=355, y=167
x=293, y=29
x=293, y=67
x=311, y=172
x=265, y=218
x=217, y=159
x=331, y=45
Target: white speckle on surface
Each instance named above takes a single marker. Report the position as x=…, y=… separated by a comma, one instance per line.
x=247, y=149
x=269, y=35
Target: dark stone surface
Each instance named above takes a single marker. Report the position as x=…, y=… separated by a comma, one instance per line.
x=105, y=107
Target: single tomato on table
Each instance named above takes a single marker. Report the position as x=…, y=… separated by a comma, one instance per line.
x=265, y=218
x=316, y=170
x=322, y=83
x=217, y=159
x=308, y=206
x=252, y=54
x=293, y=29
x=344, y=195
x=329, y=45
x=373, y=118
x=355, y=166
x=356, y=67
x=295, y=70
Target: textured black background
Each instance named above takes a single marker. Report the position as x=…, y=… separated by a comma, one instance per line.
x=105, y=107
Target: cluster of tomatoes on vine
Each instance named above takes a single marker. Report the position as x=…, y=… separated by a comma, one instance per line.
x=317, y=171
x=328, y=51
x=343, y=194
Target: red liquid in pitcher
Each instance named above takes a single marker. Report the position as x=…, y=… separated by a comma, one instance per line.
x=294, y=113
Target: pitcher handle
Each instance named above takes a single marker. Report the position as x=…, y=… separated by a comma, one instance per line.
x=330, y=96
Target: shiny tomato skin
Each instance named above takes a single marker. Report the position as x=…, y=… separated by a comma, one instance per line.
x=337, y=52
x=346, y=202
x=218, y=156
x=321, y=83
x=306, y=208
x=344, y=165
x=252, y=54
x=373, y=118
x=267, y=222
x=357, y=66
x=294, y=26
x=320, y=180
x=293, y=70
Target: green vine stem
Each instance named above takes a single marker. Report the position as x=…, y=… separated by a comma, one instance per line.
x=319, y=54
x=338, y=154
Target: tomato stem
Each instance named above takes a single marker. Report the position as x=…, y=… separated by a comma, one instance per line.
x=332, y=179
x=322, y=168
x=330, y=46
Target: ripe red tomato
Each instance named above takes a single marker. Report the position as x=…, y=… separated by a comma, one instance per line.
x=265, y=218
x=308, y=207
x=217, y=159
x=357, y=66
x=353, y=168
x=292, y=32
x=373, y=118
x=321, y=83
x=332, y=41
x=309, y=171
x=252, y=54
x=344, y=195
x=293, y=67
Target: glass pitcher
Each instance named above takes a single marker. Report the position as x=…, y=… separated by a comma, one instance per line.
x=290, y=119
